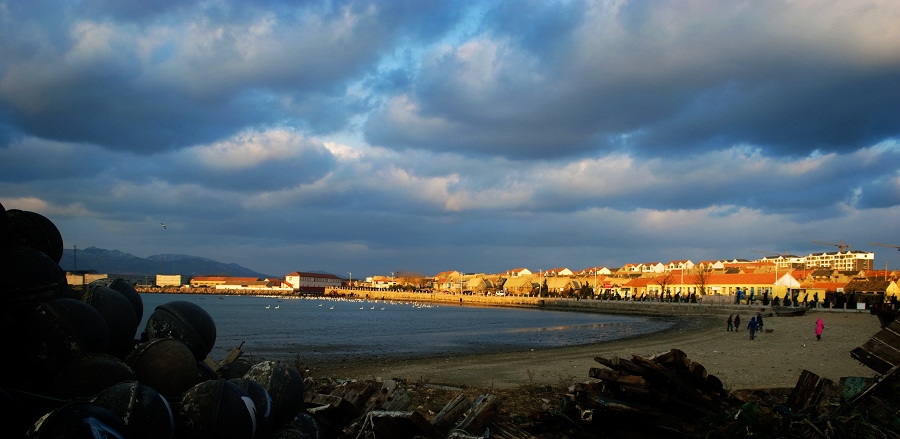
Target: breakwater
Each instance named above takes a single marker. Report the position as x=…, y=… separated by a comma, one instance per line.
x=707, y=305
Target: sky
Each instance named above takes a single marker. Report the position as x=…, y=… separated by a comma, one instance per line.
x=370, y=137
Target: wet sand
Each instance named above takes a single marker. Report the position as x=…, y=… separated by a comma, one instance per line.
x=772, y=360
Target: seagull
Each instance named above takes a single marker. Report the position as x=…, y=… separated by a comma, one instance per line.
x=163, y=225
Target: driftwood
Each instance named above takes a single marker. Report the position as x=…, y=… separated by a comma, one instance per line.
x=882, y=352
x=482, y=412
x=446, y=419
x=368, y=409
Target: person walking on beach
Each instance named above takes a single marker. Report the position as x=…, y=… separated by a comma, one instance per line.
x=759, y=322
x=820, y=325
x=752, y=327
x=730, y=322
x=737, y=323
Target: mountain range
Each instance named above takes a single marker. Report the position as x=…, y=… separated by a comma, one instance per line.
x=117, y=262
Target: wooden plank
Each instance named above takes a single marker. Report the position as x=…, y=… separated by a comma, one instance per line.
x=608, y=362
x=689, y=391
x=823, y=387
x=360, y=397
x=233, y=355
x=888, y=337
x=401, y=424
x=481, y=415
x=698, y=371
x=803, y=390
x=675, y=359
x=882, y=351
x=447, y=417
x=874, y=356
x=626, y=382
x=398, y=401
x=211, y=363
x=508, y=430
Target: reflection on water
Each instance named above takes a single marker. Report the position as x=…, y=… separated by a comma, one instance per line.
x=322, y=329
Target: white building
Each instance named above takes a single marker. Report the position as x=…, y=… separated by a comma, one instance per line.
x=304, y=282
x=850, y=260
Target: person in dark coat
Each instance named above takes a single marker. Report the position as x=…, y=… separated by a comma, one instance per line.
x=737, y=323
x=752, y=327
x=759, y=322
x=731, y=323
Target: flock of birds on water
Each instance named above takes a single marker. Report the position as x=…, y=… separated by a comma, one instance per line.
x=347, y=300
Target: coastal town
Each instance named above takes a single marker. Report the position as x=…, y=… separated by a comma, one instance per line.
x=825, y=279
x=80, y=328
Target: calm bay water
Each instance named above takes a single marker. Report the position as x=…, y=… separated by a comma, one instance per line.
x=327, y=330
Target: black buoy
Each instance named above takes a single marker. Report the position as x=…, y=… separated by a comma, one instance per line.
x=4, y=225
x=79, y=419
x=165, y=364
x=236, y=369
x=118, y=312
x=216, y=409
x=306, y=424
x=34, y=230
x=27, y=278
x=184, y=321
x=284, y=384
x=146, y=413
x=263, y=402
x=87, y=375
x=127, y=290
x=59, y=330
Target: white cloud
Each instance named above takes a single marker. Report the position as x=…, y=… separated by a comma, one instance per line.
x=46, y=208
x=251, y=148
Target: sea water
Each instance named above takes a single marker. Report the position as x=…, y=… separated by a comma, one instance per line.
x=335, y=329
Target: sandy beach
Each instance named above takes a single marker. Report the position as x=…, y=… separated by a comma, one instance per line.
x=772, y=360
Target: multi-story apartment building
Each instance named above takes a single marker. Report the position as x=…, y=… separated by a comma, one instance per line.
x=850, y=260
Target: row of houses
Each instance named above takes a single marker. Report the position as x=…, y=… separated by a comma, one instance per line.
x=772, y=276
x=751, y=281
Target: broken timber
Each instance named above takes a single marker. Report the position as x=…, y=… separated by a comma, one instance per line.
x=658, y=381
x=882, y=352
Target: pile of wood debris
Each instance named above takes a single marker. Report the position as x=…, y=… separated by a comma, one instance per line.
x=666, y=395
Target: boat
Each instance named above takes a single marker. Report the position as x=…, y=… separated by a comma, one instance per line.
x=789, y=311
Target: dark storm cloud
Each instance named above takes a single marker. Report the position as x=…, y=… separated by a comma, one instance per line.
x=881, y=192
x=200, y=74
x=373, y=136
x=656, y=78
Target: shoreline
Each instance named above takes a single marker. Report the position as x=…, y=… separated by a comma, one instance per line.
x=773, y=360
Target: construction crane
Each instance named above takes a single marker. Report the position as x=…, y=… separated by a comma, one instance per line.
x=841, y=246
x=886, y=245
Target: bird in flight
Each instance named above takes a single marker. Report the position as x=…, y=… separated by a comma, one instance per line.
x=163, y=225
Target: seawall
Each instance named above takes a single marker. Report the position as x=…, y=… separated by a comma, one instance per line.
x=712, y=306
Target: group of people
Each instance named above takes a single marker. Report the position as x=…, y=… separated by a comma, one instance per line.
x=755, y=324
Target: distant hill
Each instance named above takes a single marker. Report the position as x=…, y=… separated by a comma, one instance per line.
x=117, y=262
